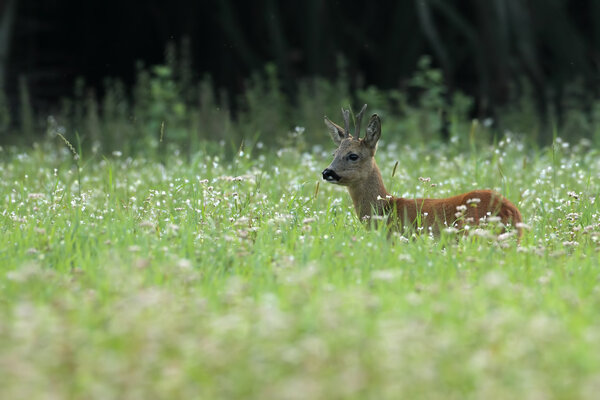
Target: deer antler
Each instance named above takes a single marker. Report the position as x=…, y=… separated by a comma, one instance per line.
x=346, y=115
x=358, y=121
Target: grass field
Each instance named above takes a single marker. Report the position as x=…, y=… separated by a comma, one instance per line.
x=126, y=278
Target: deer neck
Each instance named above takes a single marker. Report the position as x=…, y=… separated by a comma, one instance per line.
x=369, y=194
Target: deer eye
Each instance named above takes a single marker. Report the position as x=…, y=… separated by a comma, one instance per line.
x=353, y=157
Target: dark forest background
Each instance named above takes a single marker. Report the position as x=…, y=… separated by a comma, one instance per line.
x=494, y=51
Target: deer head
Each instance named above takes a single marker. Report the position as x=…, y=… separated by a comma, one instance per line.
x=353, y=161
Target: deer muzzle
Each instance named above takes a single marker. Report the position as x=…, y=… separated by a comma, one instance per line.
x=330, y=176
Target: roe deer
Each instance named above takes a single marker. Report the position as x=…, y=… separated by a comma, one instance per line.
x=354, y=166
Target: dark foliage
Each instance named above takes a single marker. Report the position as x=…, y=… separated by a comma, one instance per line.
x=486, y=49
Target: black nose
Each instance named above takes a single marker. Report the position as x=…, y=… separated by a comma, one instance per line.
x=330, y=176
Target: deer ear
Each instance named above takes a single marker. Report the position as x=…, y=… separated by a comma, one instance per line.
x=335, y=131
x=373, y=132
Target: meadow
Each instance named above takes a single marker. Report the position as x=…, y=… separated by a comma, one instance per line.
x=245, y=276
x=156, y=246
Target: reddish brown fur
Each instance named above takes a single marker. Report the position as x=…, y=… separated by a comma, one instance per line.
x=440, y=213
x=365, y=184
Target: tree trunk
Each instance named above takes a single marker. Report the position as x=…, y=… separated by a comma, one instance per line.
x=7, y=18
